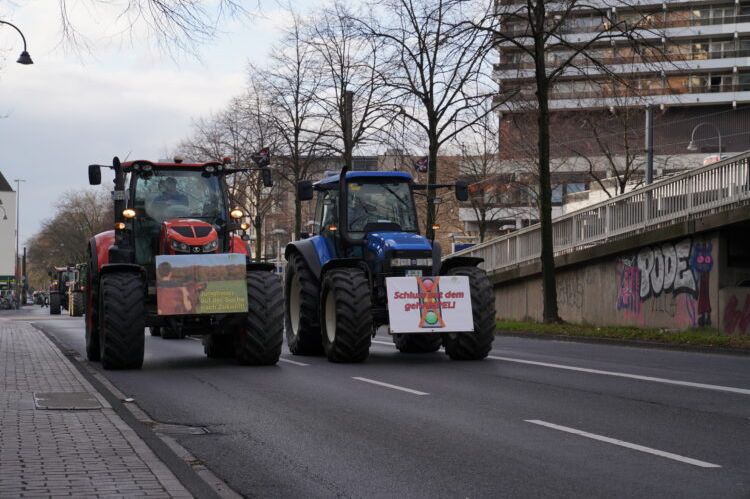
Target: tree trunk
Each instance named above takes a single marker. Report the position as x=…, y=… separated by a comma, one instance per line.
x=549, y=286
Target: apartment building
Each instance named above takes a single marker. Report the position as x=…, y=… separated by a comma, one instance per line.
x=689, y=60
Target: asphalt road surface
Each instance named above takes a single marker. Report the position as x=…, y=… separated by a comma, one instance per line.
x=538, y=418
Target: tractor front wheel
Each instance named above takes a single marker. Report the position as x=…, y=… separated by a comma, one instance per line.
x=121, y=327
x=346, y=315
x=78, y=304
x=302, y=316
x=260, y=339
x=477, y=344
x=54, y=303
x=418, y=343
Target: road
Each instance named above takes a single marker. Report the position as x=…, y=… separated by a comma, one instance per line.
x=539, y=418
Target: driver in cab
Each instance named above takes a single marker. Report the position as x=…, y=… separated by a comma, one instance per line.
x=169, y=193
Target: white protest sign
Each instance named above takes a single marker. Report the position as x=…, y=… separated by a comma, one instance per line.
x=440, y=304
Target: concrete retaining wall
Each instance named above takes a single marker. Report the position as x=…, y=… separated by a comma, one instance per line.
x=672, y=284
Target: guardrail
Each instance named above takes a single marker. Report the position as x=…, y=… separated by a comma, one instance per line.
x=711, y=188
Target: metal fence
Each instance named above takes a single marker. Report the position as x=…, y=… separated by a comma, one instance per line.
x=713, y=188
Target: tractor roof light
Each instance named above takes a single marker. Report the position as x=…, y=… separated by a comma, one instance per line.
x=210, y=169
x=236, y=213
x=128, y=213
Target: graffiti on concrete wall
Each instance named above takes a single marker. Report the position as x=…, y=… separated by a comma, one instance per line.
x=736, y=318
x=673, y=277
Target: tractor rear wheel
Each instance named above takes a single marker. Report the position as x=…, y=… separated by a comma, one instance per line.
x=346, y=315
x=78, y=304
x=219, y=346
x=302, y=315
x=477, y=344
x=93, y=351
x=121, y=334
x=418, y=343
x=54, y=303
x=260, y=338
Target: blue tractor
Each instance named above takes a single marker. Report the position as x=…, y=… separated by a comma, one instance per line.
x=342, y=282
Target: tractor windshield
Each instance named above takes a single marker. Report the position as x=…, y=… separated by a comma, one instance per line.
x=184, y=193
x=380, y=203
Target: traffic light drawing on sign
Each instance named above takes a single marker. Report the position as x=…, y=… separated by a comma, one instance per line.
x=429, y=302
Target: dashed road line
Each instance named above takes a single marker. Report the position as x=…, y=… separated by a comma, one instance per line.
x=294, y=362
x=622, y=443
x=388, y=385
x=719, y=388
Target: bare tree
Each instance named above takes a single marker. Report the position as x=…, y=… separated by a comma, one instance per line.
x=290, y=86
x=538, y=31
x=348, y=61
x=62, y=239
x=175, y=24
x=436, y=71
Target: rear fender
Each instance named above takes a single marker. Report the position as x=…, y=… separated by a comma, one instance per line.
x=237, y=245
x=459, y=261
x=100, y=245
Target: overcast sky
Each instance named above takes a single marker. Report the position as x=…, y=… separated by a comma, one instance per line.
x=71, y=108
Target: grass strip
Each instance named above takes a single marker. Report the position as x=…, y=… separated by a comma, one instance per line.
x=705, y=337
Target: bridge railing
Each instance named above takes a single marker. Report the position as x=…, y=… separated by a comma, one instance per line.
x=677, y=198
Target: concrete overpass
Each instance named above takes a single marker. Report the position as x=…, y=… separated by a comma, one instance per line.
x=674, y=254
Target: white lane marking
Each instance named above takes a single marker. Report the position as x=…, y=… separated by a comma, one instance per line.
x=288, y=361
x=388, y=385
x=622, y=443
x=730, y=389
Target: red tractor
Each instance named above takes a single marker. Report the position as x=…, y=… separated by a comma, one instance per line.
x=177, y=262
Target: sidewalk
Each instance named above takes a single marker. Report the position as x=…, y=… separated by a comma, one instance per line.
x=59, y=437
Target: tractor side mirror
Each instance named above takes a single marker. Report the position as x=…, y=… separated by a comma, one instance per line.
x=95, y=175
x=462, y=191
x=304, y=190
x=265, y=173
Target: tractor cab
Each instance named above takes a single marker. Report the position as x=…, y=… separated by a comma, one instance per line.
x=177, y=211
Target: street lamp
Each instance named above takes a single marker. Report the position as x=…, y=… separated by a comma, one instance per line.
x=24, y=58
x=18, y=227
x=693, y=147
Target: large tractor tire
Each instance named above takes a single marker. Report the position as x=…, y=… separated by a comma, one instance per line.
x=302, y=310
x=54, y=303
x=219, y=346
x=121, y=334
x=346, y=315
x=476, y=345
x=93, y=350
x=418, y=343
x=78, y=304
x=260, y=339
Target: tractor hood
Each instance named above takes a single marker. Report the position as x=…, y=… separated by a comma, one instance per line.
x=381, y=243
x=186, y=235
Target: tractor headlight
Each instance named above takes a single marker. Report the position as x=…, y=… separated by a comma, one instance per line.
x=178, y=246
x=211, y=246
x=411, y=262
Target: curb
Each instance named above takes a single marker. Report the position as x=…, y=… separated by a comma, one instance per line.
x=625, y=342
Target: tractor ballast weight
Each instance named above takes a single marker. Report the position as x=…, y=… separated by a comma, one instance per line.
x=178, y=214
x=342, y=281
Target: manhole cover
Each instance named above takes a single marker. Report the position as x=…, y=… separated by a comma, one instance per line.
x=70, y=401
x=178, y=429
